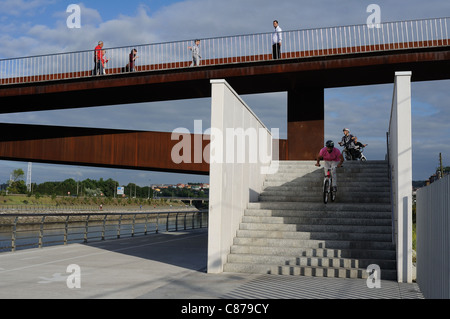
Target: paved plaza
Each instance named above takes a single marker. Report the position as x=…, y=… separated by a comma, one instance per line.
x=162, y=266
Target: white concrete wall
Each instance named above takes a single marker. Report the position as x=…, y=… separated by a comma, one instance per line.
x=400, y=160
x=234, y=180
x=433, y=239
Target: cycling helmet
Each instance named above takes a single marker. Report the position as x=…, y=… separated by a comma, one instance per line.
x=346, y=129
x=329, y=144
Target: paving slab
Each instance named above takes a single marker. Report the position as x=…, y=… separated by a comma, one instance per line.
x=170, y=265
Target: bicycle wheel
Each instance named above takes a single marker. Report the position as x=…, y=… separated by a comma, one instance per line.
x=333, y=195
x=326, y=190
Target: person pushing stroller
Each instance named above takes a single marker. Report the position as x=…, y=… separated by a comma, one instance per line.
x=352, y=148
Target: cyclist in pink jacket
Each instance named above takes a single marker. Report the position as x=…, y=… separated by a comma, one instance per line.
x=332, y=158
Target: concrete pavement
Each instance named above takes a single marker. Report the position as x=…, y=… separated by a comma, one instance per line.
x=162, y=266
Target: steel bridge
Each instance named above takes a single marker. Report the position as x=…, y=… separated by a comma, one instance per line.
x=311, y=61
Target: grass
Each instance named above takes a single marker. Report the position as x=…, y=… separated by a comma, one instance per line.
x=68, y=201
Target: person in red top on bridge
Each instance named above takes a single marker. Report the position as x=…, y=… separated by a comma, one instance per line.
x=98, y=59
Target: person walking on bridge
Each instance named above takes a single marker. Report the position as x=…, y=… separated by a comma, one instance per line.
x=195, y=53
x=276, y=41
x=98, y=58
x=132, y=60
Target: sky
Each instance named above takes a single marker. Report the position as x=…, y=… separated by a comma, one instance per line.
x=37, y=27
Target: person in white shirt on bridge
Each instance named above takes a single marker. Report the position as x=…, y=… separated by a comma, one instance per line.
x=195, y=53
x=276, y=41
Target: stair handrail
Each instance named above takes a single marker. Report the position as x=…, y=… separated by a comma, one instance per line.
x=390, y=189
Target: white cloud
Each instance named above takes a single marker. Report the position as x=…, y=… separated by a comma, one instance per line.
x=22, y=7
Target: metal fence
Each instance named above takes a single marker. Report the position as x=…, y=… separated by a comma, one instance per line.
x=21, y=231
x=233, y=49
x=433, y=239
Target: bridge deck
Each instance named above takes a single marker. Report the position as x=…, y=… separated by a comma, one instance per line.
x=164, y=266
x=234, y=60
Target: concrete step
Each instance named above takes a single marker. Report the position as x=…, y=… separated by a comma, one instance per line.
x=317, y=188
x=334, y=262
x=306, y=271
x=379, y=163
x=341, y=177
x=306, y=221
x=380, y=226
x=326, y=235
x=320, y=206
x=314, y=252
x=340, y=215
x=340, y=170
x=345, y=170
x=319, y=182
x=314, y=243
x=340, y=198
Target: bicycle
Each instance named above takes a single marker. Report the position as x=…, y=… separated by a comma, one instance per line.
x=328, y=192
x=349, y=157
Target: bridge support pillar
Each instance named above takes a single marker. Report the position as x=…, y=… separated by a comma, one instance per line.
x=305, y=129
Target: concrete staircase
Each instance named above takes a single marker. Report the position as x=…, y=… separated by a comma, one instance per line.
x=290, y=231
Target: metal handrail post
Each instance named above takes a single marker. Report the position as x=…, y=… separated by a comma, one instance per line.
x=13, y=235
x=104, y=226
x=118, y=229
x=145, y=224
x=66, y=230
x=167, y=222
x=86, y=229
x=132, y=226
x=41, y=232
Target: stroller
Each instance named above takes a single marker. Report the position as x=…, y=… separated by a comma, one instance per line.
x=357, y=153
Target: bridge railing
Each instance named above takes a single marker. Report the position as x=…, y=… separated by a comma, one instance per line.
x=232, y=49
x=36, y=230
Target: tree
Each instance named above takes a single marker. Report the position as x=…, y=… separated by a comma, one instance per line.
x=68, y=186
x=17, y=174
x=109, y=187
x=17, y=186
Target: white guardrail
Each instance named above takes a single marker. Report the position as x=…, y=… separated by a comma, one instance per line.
x=232, y=49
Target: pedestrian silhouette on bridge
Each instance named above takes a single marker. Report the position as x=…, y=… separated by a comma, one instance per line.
x=104, y=61
x=195, y=53
x=132, y=60
x=276, y=41
x=98, y=59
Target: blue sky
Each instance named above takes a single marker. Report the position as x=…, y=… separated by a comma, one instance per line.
x=32, y=27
